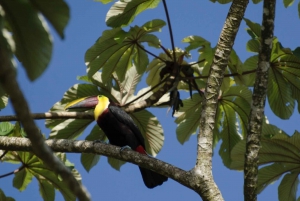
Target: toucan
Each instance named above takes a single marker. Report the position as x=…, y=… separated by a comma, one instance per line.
x=120, y=130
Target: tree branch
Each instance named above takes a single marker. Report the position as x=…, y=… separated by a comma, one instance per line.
x=52, y=115
x=10, y=85
x=203, y=167
x=258, y=102
x=186, y=178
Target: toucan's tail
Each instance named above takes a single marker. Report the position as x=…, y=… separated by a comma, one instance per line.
x=152, y=179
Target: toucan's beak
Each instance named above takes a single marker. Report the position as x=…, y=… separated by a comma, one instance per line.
x=87, y=102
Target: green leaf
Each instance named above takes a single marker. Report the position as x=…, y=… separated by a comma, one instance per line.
x=151, y=130
x=70, y=128
x=279, y=95
x=3, y=100
x=123, y=13
x=115, y=163
x=277, y=50
x=288, y=187
x=256, y=1
x=188, y=118
x=55, y=11
x=90, y=160
x=253, y=27
x=132, y=78
x=253, y=45
x=33, y=45
x=22, y=179
x=250, y=65
x=229, y=134
x=53, y=179
x=4, y=198
x=116, y=51
x=288, y=3
x=75, y=92
x=268, y=175
x=6, y=128
x=47, y=191
x=104, y=1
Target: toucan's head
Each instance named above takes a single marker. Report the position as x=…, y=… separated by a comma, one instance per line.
x=100, y=103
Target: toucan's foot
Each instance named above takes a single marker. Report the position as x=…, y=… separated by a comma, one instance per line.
x=125, y=147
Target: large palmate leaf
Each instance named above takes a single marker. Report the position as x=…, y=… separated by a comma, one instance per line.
x=31, y=33
x=234, y=109
x=280, y=156
x=254, y=29
x=204, y=48
x=70, y=128
x=151, y=130
x=47, y=179
x=249, y=69
x=188, y=118
x=117, y=50
x=288, y=187
x=123, y=12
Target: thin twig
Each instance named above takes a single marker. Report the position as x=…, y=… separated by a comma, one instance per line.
x=170, y=29
x=13, y=172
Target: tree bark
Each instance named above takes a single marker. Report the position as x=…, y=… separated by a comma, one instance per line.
x=258, y=102
x=203, y=168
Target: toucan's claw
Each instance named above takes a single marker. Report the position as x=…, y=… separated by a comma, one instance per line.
x=125, y=147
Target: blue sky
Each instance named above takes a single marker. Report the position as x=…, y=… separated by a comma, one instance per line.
x=191, y=17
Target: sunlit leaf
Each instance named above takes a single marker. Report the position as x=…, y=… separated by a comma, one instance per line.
x=123, y=13
x=22, y=179
x=70, y=128
x=3, y=100
x=47, y=191
x=117, y=51
x=288, y=3
x=188, y=118
x=6, y=128
x=151, y=130
x=253, y=45
x=255, y=28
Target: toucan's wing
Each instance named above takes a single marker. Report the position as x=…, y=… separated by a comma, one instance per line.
x=124, y=118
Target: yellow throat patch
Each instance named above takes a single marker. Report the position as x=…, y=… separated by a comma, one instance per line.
x=103, y=103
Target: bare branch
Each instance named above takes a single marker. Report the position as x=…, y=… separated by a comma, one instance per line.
x=186, y=178
x=258, y=102
x=53, y=115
